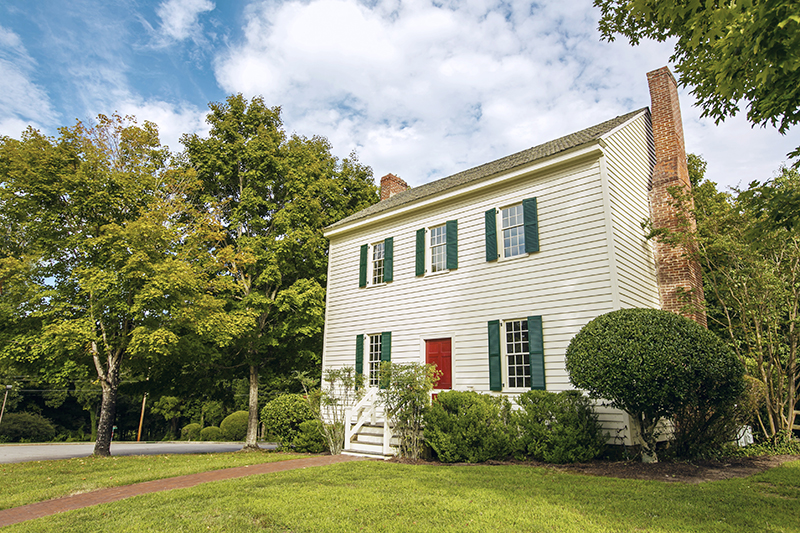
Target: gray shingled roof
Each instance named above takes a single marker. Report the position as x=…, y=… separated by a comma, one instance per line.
x=493, y=168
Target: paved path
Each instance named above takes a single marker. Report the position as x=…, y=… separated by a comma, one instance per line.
x=18, y=453
x=112, y=494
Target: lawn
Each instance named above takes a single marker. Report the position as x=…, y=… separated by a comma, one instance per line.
x=378, y=496
x=36, y=481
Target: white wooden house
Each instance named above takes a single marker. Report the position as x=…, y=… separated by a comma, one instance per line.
x=489, y=273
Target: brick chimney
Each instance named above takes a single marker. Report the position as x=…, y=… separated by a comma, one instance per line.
x=391, y=185
x=677, y=273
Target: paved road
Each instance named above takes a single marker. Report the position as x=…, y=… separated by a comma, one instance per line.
x=18, y=453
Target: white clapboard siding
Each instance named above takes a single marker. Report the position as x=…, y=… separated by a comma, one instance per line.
x=593, y=259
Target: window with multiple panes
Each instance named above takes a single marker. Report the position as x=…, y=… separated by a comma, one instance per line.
x=374, y=360
x=512, y=225
x=377, y=262
x=517, y=354
x=438, y=249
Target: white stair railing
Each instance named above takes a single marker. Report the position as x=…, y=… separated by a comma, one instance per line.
x=364, y=410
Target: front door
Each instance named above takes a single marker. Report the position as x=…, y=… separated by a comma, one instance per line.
x=438, y=352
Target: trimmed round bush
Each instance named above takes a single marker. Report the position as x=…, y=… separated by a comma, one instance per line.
x=283, y=416
x=557, y=427
x=468, y=427
x=234, y=426
x=26, y=427
x=653, y=364
x=191, y=432
x=211, y=433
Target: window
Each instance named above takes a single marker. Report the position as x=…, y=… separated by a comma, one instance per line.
x=513, y=231
x=438, y=253
x=516, y=360
x=440, y=248
x=377, y=263
x=379, y=349
x=519, y=230
x=374, y=360
x=518, y=354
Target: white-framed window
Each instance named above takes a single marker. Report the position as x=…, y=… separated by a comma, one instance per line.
x=512, y=234
x=374, y=360
x=438, y=249
x=377, y=263
x=517, y=354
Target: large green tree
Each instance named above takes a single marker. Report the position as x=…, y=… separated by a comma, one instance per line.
x=107, y=249
x=731, y=53
x=751, y=280
x=271, y=195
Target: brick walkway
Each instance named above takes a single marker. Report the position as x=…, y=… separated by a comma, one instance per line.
x=112, y=494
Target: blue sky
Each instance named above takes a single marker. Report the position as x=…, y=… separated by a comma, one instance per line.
x=418, y=88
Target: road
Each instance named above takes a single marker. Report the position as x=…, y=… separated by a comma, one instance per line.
x=19, y=453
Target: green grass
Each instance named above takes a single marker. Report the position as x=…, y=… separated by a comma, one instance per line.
x=377, y=496
x=23, y=483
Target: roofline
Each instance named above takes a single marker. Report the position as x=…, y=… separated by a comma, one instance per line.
x=586, y=151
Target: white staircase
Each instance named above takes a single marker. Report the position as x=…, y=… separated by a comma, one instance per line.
x=366, y=432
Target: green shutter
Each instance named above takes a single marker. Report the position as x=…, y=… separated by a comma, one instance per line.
x=491, y=235
x=362, y=267
x=531, y=215
x=495, y=368
x=359, y=354
x=421, y=252
x=536, y=349
x=388, y=259
x=451, y=234
x=386, y=346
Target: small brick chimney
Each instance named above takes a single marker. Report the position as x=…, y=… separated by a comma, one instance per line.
x=676, y=272
x=391, y=185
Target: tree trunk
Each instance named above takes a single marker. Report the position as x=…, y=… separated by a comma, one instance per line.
x=110, y=383
x=251, y=441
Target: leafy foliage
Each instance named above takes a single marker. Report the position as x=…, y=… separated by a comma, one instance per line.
x=468, y=427
x=406, y=393
x=730, y=52
x=211, y=433
x=271, y=195
x=26, y=427
x=234, y=426
x=653, y=363
x=341, y=389
x=310, y=438
x=557, y=427
x=191, y=432
x=283, y=416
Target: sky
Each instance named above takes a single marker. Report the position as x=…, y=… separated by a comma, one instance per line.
x=422, y=89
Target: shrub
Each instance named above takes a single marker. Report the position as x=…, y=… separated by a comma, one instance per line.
x=406, y=393
x=341, y=388
x=283, y=415
x=468, y=427
x=309, y=438
x=234, y=426
x=211, y=433
x=191, y=432
x=557, y=427
x=27, y=427
x=653, y=363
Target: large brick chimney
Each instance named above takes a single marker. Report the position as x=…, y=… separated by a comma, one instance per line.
x=678, y=275
x=391, y=185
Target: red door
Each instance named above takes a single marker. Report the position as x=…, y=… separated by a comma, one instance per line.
x=437, y=352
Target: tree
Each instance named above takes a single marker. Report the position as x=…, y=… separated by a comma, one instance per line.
x=652, y=364
x=271, y=197
x=730, y=52
x=171, y=409
x=99, y=222
x=751, y=278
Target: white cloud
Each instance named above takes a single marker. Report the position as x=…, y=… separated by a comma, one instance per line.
x=426, y=89
x=22, y=101
x=180, y=18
